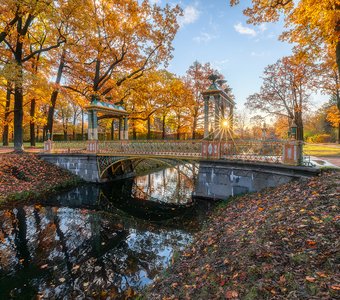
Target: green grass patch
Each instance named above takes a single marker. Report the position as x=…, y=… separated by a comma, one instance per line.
x=27, y=145
x=322, y=149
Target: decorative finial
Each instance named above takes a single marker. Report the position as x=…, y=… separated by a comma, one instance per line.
x=213, y=78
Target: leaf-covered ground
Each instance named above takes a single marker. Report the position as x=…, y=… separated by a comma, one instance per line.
x=283, y=243
x=25, y=175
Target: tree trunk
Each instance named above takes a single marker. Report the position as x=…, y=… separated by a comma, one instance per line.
x=299, y=124
x=18, y=113
x=149, y=129
x=54, y=95
x=7, y=113
x=163, y=127
x=134, y=132
x=74, y=127
x=82, y=124
x=338, y=61
x=194, y=125
x=37, y=134
x=32, y=122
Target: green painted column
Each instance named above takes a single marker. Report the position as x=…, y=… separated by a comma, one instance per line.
x=206, y=116
x=217, y=116
x=113, y=129
x=121, y=131
x=90, y=125
x=95, y=125
x=126, y=129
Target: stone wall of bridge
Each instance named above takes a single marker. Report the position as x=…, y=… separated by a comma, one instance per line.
x=84, y=166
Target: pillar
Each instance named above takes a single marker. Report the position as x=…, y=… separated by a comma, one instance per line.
x=206, y=116
x=121, y=131
x=95, y=125
x=217, y=116
x=231, y=117
x=113, y=129
x=90, y=125
x=126, y=129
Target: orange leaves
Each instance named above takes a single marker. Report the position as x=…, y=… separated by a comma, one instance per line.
x=335, y=287
x=231, y=294
x=311, y=243
x=310, y=279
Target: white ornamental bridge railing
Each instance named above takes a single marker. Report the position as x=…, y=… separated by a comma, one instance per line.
x=287, y=152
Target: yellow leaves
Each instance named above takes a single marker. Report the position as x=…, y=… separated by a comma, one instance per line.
x=333, y=116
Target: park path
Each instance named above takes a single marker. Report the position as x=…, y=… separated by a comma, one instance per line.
x=11, y=149
x=333, y=160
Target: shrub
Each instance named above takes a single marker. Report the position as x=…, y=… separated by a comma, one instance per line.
x=320, y=138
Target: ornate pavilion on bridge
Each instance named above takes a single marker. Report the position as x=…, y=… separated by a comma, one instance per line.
x=98, y=110
x=218, y=109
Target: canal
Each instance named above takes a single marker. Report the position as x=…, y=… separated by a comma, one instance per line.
x=103, y=240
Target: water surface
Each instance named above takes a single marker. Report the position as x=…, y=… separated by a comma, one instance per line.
x=98, y=241
x=110, y=240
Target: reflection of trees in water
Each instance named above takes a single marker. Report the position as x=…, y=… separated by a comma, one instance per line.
x=60, y=251
x=172, y=185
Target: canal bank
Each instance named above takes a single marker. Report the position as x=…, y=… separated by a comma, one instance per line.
x=274, y=244
x=24, y=177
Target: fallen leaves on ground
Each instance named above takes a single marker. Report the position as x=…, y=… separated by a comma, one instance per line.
x=282, y=243
x=27, y=173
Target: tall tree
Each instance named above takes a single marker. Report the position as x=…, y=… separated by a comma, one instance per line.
x=310, y=23
x=123, y=40
x=284, y=90
x=29, y=15
x=329, y=82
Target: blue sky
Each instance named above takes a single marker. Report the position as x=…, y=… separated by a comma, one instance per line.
x=212, y=31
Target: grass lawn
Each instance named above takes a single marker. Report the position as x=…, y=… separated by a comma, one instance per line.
x=26, y=145
x=322, y=149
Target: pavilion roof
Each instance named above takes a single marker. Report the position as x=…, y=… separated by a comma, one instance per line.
x=215, y=89
x=107, y=108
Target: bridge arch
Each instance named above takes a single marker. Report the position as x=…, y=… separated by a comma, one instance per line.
x=122, y=167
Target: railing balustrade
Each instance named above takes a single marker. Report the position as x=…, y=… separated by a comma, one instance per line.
x=286, y=152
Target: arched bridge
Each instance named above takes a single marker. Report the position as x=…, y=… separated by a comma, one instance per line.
x=98, y=161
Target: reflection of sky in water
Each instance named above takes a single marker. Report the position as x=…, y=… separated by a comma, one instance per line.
x=172, y=185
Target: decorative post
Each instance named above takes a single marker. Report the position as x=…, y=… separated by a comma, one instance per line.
x=48, y=145
x=292, y=150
